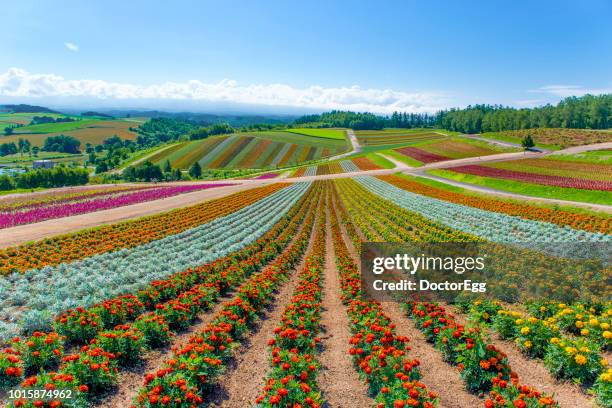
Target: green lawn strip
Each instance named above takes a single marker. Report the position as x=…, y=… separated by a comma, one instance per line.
x=593, y=156
x=380, y=161
x=299, y=139
x=161, y=156
x=326, y=133
x=534, y=190
x=485, y=145
x=57, y=126
x=455, y=189
x=139, y=154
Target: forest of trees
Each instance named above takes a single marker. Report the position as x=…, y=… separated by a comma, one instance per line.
x=56, y=177
x=586, y=112
x=62, y=144
x=365, y=120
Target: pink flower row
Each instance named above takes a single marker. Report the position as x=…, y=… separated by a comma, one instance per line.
x=10, y=219
x=421, y=155
x=568, y=182
x=266, y=176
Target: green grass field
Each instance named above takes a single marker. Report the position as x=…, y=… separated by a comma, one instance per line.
x=464, y=191
x=93, y=131
x=324, y=133
x=534, y=190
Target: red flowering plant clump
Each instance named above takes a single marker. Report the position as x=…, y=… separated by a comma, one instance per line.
x=292, y=380
x=93, y=367
x=167, y=388
x=125, y=342
x=379, y=354
x=78, y=325
x=11, y=367
x=40, y=350
x=512, y=394
x=54, y=381
x=119, y=310
x=155, y=330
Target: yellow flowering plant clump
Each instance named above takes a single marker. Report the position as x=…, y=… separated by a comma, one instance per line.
x=603, y=388
x=577, y=360
x=533, y=337
x=505, y=323
x=593, y=323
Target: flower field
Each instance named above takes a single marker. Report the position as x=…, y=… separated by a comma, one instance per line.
x=535, y=178
x=92, y=202
x=254, y=150
x=395, y=136
x=555, y=136
x=227, y=303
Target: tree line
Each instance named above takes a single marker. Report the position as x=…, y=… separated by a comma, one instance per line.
x=56, y=177
x=586, y=112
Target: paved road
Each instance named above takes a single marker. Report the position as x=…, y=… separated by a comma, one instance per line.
x=32, y=232
x=354, y=143
x=582, y=149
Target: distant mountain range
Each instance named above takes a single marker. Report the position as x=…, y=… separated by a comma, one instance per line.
x=23, y=108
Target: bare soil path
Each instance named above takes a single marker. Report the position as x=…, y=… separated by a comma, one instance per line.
x=244, y=379
x=40, y=230
x=338, y=381
x=439, y=376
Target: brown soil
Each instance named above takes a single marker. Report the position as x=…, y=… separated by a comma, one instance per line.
x=439, y=376
x=244, y=378
x=533, y=373
x=44, y=229
x=131, y=380
x=339, y=381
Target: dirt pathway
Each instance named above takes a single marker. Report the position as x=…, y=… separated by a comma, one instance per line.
x=244, y=378
x=533, y=373
x=131, y=380
x=338, y=381
x=44, y=229
x=439, y=376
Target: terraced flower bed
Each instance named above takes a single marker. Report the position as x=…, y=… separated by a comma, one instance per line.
x=91, y=203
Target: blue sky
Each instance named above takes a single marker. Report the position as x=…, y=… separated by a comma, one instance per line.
x=309, y=55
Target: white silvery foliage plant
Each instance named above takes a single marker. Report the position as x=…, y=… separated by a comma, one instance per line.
x=348, y=166
x=311, y=171
x=43, y=293
x=492, y=226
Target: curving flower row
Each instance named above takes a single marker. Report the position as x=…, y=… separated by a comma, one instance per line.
x=293, y=376
x=187, y=377
x=534, y=178
x=109, y=238
x=587, y=222
x=31, y=299
x=97, y=203
x=379, y=354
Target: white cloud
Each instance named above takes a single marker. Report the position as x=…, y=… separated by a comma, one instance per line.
x=72, y=47
x=564, y=91
x=17, y=82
